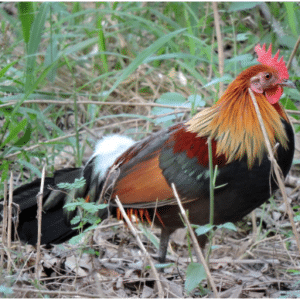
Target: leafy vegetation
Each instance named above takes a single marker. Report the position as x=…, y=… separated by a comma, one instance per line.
x=71, y=51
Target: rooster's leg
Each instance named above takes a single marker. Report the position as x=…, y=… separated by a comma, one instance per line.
x=164, y=241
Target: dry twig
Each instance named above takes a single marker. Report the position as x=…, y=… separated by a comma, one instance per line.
x=9, y=218
x=70, y=102
x=59, y=293
x=39, y=217
x=133, y=231
x=4, y=223
x=220, y=45
x=200, y=257
x=293, y=53
x=254, y=226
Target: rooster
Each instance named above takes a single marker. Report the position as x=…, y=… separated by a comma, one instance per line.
x=143, y=172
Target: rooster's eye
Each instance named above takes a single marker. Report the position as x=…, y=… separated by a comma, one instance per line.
x=268, y=76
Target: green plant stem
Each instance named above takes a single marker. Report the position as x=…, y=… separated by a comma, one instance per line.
x=211, y=197
x=78, y=160
x=211, y=183
x=188, y=237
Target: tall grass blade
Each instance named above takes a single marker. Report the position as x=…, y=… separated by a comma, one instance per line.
x=143, y=56
x=26, y=15
x=290, y=9
x=34, y=42
x=101, y=43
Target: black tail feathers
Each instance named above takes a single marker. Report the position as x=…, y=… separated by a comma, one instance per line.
x=56, y=227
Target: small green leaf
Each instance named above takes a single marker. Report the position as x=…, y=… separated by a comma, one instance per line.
x=297, y=218
x=196, y=101
x=7, y=67
x=287, y=40
x=71, y=206
x=195, y=273
x=75, y=220
x=14, y=132
x=166, y=265
x=76, y=239
x=296, y=161
x=92, y=227
x=5, y=290
x=204, y=229
x=220, y=186
x=215, y=247
x=228, y=225
x=245, y=60
x=51, y=58
x=31, y=167
x=240, y=37
x=22, y=141
x=4, y=168
x=78, y=183
x=149, y=235
x=224, y=78
x=89, y=207
x=174, y=99
x=237, y=6
x=297, y=83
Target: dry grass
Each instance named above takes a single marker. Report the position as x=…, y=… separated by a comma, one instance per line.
x=240, y=266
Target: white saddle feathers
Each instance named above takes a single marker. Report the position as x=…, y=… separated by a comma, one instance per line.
x=107, y=150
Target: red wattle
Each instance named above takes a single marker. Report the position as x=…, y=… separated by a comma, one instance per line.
x=274, y=95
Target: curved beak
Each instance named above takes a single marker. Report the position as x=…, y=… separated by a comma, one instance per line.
x=288, y=83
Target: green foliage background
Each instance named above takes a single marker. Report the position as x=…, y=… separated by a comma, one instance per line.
x=70, y=51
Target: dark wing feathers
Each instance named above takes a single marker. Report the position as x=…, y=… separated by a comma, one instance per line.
x=141, y=179
x=149, y=167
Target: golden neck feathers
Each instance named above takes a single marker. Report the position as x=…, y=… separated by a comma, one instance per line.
x=232, y=122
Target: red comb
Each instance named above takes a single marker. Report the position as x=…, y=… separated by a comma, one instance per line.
x=265, y=58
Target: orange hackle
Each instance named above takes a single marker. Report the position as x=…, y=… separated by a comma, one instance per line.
x=232, y=122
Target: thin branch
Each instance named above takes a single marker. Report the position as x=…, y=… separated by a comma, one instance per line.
x=220, y=45
x=133, y=231
x=75, y=294
x=67, y=102
x=4, y=223
x=70, y=102
x=9, y=217
x=276, y=168
x=68, y=136
x=244, y=261
x=84, y=131
x=293, y=112
x=254, y=226
x=39, y=217
x=288, y=65
x=200, y=257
